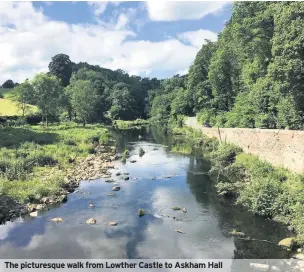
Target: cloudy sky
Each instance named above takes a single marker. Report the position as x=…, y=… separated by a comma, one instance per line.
x=154, y=39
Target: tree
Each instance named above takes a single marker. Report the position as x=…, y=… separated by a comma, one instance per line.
x=123, y=103
x=48, y=95
x=9, y=84
x=83, y=100
x=61, y=67
x=198, y=83
x=23, y=95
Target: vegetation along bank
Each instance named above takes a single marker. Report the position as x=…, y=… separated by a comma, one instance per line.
x=263, y=189
x=39, y=166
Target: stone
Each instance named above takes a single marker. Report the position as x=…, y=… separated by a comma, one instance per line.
x=180, y=231
x=91, y=221
x=111, y=194
x=63, y=198
x=132, y=161
x=109, y=180
x=291, y=228
x=105, y=176
x=184, y=210
x=287, y=243
x=34, y=214
x=57, y=219
x=141, y=212
x=153, y=178
x=116, y=188
x=237, y=233
x=118, y=174
x=112, y=223
x=126, y=174
x=176, y=208
x=126, y=178
x=40, y=207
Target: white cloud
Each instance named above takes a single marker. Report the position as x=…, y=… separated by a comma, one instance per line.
x=182, y=10
x=98, y=7
x=197, y=38
x=28, y=41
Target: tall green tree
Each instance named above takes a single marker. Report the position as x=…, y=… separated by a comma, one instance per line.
x=83, y=100
x=61, y=67
x=48, y=94
x=23, y=95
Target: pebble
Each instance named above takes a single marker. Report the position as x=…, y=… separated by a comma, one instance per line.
x=91, y=221
x=116, y=188
x=57, y=219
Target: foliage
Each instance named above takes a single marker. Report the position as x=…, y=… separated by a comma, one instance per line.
x=23, y=95
x=30, y=157
x=83, y=100
x=47, y=94
x=61, y=67
x=8, y=84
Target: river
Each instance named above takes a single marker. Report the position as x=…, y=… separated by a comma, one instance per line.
x=206, y=225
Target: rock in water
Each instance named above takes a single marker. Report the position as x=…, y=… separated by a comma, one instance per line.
x=40, y=207
x=153, y=178
x=34, y=214
x=116, y=188
x=91, y=205
x=237, y=233
x=287, y=243
x=132, y=161
x=176, y=208
x=109, y=180
x=112, y=223
x=180, y=231
x=184, y=210
x=141, y=212
x=118, y=174
x=126, y=178
x=91, y=221
x=57, y=219
x=111, y=194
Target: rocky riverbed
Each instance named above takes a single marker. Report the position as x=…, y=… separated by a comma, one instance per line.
x=92, y=167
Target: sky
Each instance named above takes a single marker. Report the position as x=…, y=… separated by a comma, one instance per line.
x=149, y=39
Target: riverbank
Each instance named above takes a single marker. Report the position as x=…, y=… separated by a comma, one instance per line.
x=41, y=166
x=138, y=123
x=274, y=193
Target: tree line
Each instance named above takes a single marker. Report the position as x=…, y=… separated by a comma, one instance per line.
x=253, y=76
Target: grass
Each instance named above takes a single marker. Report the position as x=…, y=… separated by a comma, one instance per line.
x=33, y=160
x=138, y=123
x=263, y=189
x=10, y=108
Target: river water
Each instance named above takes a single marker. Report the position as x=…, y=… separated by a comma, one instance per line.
x=206, y=225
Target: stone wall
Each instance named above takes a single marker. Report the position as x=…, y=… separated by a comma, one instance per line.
x=279, y=147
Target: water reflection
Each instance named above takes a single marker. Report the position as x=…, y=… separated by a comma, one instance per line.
x=206, y=224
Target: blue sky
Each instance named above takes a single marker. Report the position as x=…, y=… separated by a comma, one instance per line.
x=155, y=39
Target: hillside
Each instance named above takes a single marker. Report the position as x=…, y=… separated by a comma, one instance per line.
x=10, y=108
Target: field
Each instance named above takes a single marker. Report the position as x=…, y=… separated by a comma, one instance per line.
x=10, y=108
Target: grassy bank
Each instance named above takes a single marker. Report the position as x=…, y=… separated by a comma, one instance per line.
x=34, y=160
x=138, y=123
x=274, y=193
